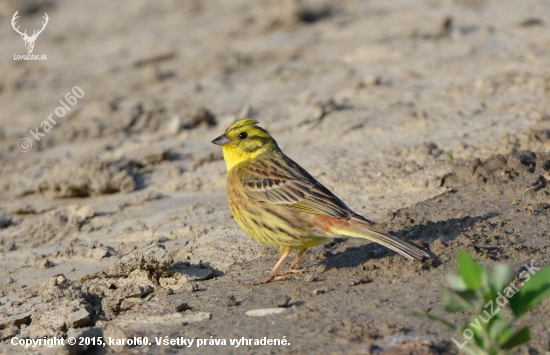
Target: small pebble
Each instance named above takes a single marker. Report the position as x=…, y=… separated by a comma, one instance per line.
x=162, y=239
x=192, y=286
x=280, y=301
x=5, y=221
x=318, y=292
x=182, y=307
x=169, y=291
x=47, y=264
x=265, y=312
x=371, y=80
x=231, y=301
x=364, y=280
x=311, y=278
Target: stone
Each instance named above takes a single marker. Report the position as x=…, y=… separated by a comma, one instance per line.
x=318, y=291
x=78, y=319
x=5, y=221
x=280, y=301
x=262, y=312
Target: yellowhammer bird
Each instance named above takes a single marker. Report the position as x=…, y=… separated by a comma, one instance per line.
x=277, y=202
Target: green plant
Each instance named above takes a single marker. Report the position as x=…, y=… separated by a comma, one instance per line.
x=483, y=294
x=450, y=155
x=526, y=206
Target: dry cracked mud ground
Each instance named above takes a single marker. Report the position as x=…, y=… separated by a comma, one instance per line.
x=427, y=116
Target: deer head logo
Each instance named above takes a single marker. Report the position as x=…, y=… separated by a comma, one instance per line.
x=29, y=40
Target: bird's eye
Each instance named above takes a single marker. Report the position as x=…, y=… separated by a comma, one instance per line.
x=243, y=135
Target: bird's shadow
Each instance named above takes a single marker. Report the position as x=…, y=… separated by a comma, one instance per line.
x=427, y=233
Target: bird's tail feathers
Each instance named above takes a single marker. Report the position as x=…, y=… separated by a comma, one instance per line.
x=364, y=230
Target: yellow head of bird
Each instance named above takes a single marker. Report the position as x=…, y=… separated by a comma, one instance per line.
x=244, y=141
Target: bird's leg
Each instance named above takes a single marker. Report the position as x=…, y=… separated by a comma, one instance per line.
x=277, y=266
x=291, y=270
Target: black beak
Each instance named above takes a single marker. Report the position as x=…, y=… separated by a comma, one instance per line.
x=221, y=140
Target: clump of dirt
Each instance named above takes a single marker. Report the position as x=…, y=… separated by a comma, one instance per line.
x=62, y=305
x=88, y=178
x=124, y=284
x=58, y=306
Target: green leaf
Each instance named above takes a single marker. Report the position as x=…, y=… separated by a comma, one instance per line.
x=476, y=341
x=506, y=334
x=471, y=349
x=521, y=336
x=456, y=282
x=497, y=327
x=533, y=291
x=433, y=318
x=459, y=301
x=473, y=274
x=501, y=277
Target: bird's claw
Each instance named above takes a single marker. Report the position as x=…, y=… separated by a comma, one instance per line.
x=280, y=278
x=277, y=277
x=291, y=271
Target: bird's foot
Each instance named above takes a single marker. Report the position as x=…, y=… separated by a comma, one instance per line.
x=280, y=278
x=277, y=277
x=291, y=271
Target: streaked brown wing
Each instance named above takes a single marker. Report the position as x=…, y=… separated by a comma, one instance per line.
x=281, y=181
